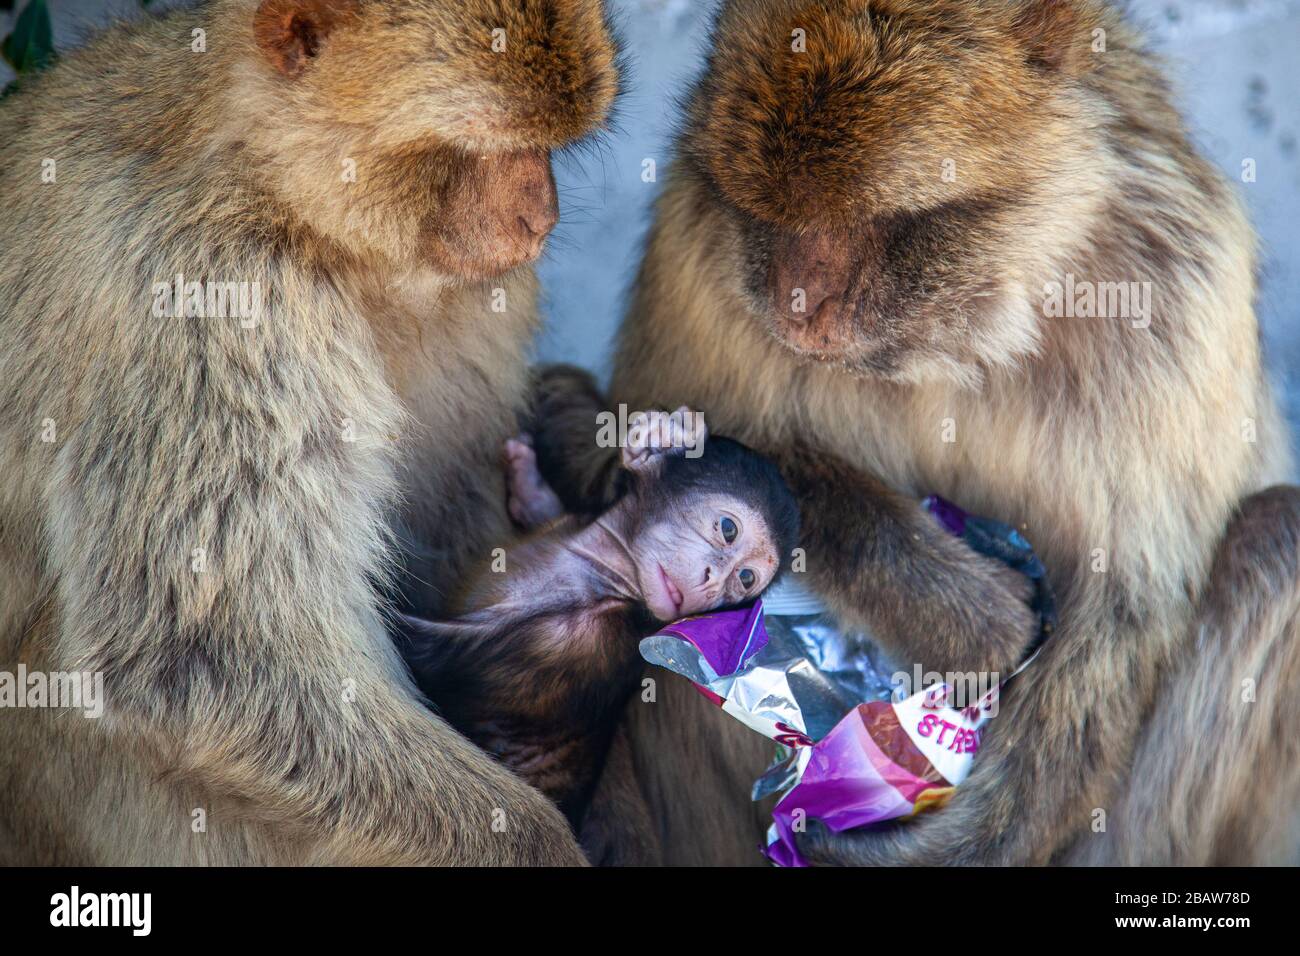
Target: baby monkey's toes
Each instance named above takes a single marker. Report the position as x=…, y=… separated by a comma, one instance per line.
x=529, y=499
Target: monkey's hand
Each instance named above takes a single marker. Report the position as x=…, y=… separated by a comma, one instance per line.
x=884, y=564
x=920, y=842
x=656, y=433
x=985, y=823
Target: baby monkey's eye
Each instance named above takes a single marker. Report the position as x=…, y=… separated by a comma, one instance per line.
x=729, y=530
x=746, y=578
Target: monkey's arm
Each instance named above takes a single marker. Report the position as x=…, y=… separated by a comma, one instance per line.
x=566, y=402
x=1047, y=762
x=885, y=564
x=1067, y=728
x=219, y=573
x=1043, y=781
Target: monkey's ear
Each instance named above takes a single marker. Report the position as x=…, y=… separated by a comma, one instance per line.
x=1057, y=34
x=290, y=32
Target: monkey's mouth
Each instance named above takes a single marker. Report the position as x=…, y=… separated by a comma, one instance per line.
x=671, y=590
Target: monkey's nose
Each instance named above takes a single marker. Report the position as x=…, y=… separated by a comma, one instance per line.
x=527, y=203
x=539, y=207
x=821, y=303
x=809, y=277
x=536, y=222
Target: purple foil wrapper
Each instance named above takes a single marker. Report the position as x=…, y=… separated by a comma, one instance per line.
x=840, y=786
x=727, y=639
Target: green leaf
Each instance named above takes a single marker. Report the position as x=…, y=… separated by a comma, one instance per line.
x=30, y=46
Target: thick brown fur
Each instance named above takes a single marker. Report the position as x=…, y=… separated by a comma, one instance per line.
x=676, y=787
x=538, y=683
x=1123, y=452
x=1223, y=735
x=207, y=520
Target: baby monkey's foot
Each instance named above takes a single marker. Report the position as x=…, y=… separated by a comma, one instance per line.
x=529, y=499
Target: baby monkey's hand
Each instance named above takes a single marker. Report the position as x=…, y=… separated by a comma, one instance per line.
x=682, y=432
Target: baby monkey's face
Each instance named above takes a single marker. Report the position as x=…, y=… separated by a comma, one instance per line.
x=701, y=554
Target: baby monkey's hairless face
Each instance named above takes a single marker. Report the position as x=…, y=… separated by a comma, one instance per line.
x=703, y=553
x=706, y=524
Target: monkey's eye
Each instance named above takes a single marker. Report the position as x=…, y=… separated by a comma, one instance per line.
x=729, y=530
x=746, y=578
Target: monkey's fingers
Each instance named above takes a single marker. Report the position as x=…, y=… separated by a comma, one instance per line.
x=660, y=432
x=694, y=430
x=896, y=844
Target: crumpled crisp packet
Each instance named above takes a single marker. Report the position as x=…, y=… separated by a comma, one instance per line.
x=849, y=754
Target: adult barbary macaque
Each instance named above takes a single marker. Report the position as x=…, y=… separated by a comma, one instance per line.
x=198, y=506
x=851, y=271
x=543, y=650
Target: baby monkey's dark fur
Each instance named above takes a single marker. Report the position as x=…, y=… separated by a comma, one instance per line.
x=542, y=658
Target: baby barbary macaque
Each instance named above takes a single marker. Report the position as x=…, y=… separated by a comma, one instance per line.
x=543, y=655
